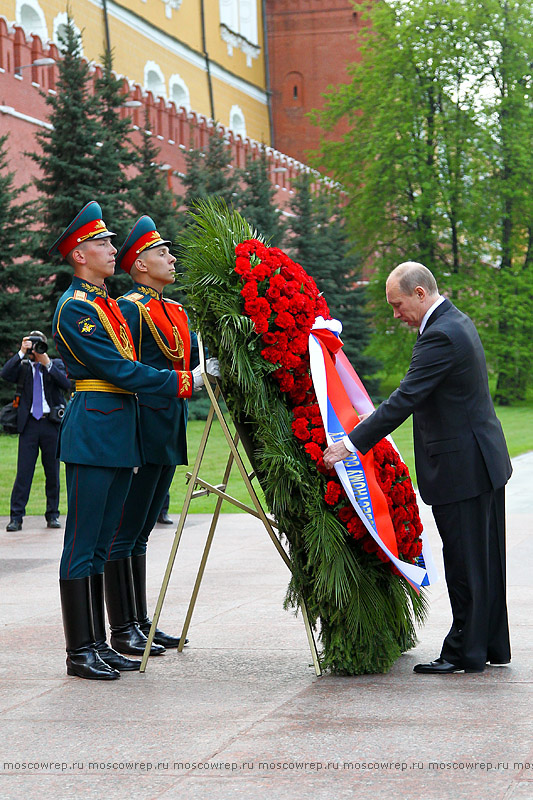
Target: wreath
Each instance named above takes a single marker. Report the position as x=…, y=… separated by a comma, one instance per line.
x=255, y=307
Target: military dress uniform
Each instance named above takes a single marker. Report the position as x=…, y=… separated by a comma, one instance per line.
x=99, y=443
x=160, y=332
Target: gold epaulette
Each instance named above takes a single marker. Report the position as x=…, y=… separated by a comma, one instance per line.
x=133, y=297
x=94, y=385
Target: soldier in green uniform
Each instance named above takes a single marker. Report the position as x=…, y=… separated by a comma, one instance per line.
x=160, y=330
x=98, y=438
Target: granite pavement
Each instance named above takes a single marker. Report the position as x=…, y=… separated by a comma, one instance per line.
x=240, y=713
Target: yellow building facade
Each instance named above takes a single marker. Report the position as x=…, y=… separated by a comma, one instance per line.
x=207, y=56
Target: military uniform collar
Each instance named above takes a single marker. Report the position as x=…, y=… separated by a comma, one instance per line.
x=147, y=291
x=90, y=288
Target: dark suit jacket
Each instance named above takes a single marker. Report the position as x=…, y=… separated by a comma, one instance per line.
x=55, y=384
x=460, y=449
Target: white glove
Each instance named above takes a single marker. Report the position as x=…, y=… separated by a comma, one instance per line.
x=212, y=368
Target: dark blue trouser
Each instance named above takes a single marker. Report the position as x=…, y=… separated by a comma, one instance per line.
x=96, y=498
x=37, y=435
x=149, y=487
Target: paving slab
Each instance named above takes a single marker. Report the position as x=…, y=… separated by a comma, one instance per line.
x=240, y=713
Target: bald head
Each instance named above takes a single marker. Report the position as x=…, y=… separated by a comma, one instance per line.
x=411, y=274
x=411, y=291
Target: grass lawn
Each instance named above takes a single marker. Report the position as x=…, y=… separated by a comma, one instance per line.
x=517, y=423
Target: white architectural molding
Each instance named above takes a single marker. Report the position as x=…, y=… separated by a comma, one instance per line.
x=30, y=16
x=171, y=4
x=60, y=22
x=179, y=92
x=237, y=122
x=234, y=39
x=154, y=80
x=10, y=111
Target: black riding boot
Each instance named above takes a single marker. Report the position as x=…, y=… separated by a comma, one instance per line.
x=138, y=568
x=105, y=652
x=82, y=657
x=126, y=636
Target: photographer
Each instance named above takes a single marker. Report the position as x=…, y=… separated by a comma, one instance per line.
x=42, y=383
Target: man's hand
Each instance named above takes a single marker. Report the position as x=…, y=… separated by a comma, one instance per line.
x=25, y=345
x=335, y=452
x=42, y=358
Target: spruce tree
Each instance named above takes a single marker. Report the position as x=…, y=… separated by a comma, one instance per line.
x=68, y=177
x=149, y=192
x=22, y=283
x=256, y=200
x=150, y=195
x=115, y=154
x=85, y=155
x=209, y=172
x=320, y=243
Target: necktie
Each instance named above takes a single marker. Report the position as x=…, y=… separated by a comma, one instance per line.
x=37, y=410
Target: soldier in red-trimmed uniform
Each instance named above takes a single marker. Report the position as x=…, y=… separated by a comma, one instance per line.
x=98, y=438
x=160, y=330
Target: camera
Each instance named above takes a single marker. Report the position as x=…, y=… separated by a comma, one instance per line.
x=57, y=413
x=39, y=344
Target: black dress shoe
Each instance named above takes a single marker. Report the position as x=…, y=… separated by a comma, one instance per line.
x=53, y=523
x=438, y=667
x=164, y=519
x=14, y=525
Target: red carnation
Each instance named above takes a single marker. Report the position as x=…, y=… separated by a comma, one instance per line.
x=333, y=492
x=356, y=527
x=313, y=450
x=261, y=272
x=299, y=428
x=249, y=290
x=260, y=323
x=345, y=514
x=318, y=435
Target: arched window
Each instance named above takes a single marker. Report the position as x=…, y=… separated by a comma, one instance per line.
x=179, y=92
x=30, y=16
x=236, y=122
x=60, y=29
x=154, y=80
x=293, y=90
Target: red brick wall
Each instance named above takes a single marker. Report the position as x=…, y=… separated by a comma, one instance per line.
x=310, y=44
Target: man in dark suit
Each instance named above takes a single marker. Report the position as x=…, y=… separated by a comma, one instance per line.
x=43, y=383
x=462, y=464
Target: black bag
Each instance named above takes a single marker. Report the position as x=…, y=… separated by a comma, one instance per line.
x=9, y=416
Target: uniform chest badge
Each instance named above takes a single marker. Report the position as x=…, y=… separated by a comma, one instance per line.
x=86, y=326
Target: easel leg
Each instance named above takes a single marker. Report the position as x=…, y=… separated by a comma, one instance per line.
x=205, y=554
x=177, y=537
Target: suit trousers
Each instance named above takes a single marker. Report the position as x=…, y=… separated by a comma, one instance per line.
x=37, y=435
x=149, y=487
x=96, y=498
x=473, y=538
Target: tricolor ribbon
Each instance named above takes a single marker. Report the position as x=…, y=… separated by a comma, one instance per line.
x=341, y=396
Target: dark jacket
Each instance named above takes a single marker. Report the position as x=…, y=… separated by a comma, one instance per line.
x=460, y=449
x=55, y=385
